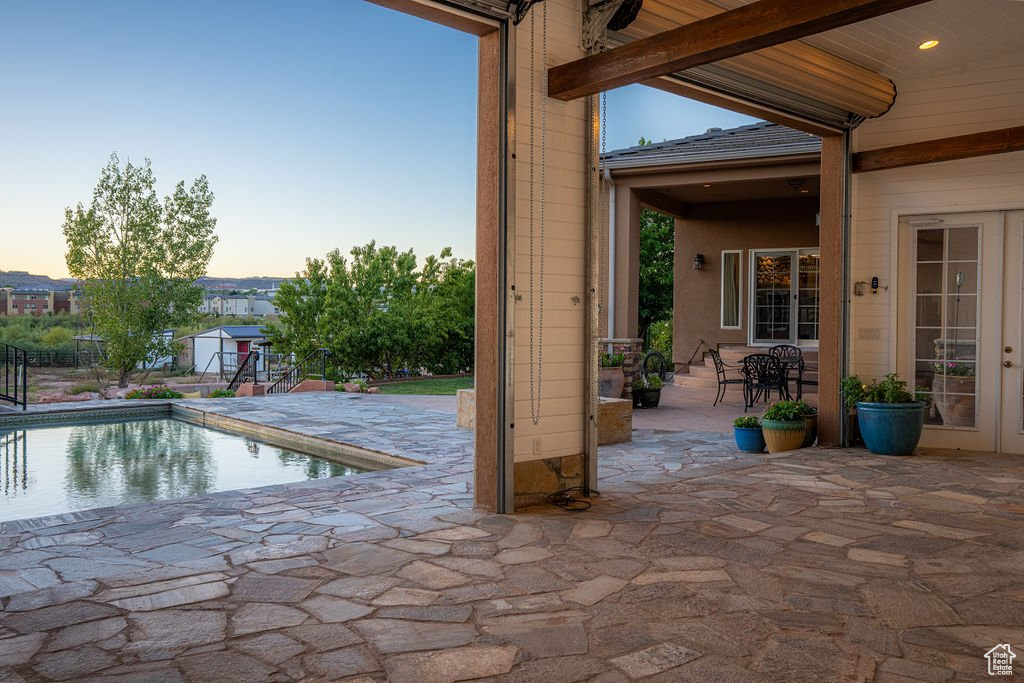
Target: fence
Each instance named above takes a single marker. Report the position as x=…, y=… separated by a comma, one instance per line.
x=62, y=359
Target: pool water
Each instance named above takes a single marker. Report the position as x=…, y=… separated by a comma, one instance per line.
x=52, y=470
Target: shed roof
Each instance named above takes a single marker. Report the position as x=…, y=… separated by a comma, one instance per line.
x=234, y=331
x=754, y=141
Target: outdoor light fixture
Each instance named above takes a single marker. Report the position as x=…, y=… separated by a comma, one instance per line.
x=928, y=44
x=698, y=262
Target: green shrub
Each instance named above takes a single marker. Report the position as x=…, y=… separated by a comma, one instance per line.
x=222, y=393
x=746, y=422
x=886, y=390
x=640, y=384
x=787, y=411
x=155, y=391
x=612, y=360
x=654, y=383
x=83, y=387
x=659, y=335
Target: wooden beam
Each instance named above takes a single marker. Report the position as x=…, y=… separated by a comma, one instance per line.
x=451, y=17
x=745, y=29
x=944, y=149
x=739, y=106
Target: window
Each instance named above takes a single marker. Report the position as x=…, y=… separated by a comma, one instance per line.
x=731, y=290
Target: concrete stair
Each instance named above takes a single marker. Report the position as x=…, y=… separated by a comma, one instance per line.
x=701, y=375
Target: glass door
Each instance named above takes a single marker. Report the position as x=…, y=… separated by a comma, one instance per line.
x=807, y=297
x=772, y=300
x=784, y=297
x=949, y=323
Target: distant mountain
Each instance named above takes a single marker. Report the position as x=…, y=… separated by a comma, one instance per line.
x=21, y=279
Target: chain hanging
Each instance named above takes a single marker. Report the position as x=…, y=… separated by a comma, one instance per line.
x=537, y=310
x=603, y=201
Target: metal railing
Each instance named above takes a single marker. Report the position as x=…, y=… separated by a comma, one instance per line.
x=15, y=376
x=246, y=371
x=315, y=364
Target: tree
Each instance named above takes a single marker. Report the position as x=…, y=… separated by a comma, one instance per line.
x=138, y=260
x=656, y=268
x=378, y=314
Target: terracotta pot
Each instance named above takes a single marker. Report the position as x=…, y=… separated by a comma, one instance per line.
x=810, y=430
x=782, y=436
x=955, y=407
x=610, y=382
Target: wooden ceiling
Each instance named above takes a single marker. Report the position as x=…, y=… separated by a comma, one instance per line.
x=968, y=31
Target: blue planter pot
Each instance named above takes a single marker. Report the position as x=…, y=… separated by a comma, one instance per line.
x=749, y=439
x=891, y=428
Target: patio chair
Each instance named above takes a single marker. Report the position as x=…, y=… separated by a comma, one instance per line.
x=763, y=374
x=792, y=360
x=721, y=369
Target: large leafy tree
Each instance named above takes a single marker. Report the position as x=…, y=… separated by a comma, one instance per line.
x=656, y=265
x=378, y=313
x=138, y=259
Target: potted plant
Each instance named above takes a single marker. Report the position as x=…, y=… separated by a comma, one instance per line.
x=889, y=418
x=650, y=394
x=953, y=388
x=809, y=414
x=638, y=386
x=783, y=426
x=610, y=380
x=748, y=434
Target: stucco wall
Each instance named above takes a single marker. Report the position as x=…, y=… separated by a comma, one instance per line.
x=980, y=97
x=708, y=229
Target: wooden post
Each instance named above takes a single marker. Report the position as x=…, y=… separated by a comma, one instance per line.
x=830, y=303
x=488, y=288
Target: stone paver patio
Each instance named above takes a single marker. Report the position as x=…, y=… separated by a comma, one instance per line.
x=695, y=563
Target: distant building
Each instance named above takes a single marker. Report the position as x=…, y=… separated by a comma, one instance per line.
x=38, y=302
x=254, y=305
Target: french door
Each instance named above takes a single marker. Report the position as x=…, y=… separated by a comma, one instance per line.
x=784, y=296
x=959, y=327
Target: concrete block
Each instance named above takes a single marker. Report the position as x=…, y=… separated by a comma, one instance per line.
x=465, y=414
x=614, y=420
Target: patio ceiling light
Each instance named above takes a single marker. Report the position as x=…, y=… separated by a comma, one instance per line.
x=928, y=44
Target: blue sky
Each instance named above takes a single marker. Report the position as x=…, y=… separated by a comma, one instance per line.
x=320, y=124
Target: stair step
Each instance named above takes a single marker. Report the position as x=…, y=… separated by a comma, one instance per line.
x=694, y=382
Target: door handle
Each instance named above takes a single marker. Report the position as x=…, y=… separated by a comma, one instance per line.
x=1007, y=364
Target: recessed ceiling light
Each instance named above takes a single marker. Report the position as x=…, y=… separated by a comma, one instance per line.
x=928, y=44
x=707, y=184
x=804, y=190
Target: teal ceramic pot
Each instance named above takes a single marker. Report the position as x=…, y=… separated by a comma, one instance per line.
x=749, y=439
x=891, y=428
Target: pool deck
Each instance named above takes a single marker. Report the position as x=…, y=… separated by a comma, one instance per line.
x=695, y=563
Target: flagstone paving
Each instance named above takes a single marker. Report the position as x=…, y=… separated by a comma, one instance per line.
x=696, y=563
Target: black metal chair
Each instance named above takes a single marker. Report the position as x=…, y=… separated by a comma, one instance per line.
x=762, y=374
x=722, y=369
x=792, y=360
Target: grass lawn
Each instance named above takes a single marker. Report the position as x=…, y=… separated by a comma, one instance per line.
x=430, y=387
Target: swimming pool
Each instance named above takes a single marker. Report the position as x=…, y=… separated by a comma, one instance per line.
x=48, y=470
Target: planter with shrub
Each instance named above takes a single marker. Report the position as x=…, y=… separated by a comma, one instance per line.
x=647, y=391
x=222, y=393
x=748, y=434
x=610, y=380
x=783, y=426
x=889, y=417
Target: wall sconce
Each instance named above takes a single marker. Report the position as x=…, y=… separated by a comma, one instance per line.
x=698, y=262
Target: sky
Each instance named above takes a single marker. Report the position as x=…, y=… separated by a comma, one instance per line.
x=320, y=124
